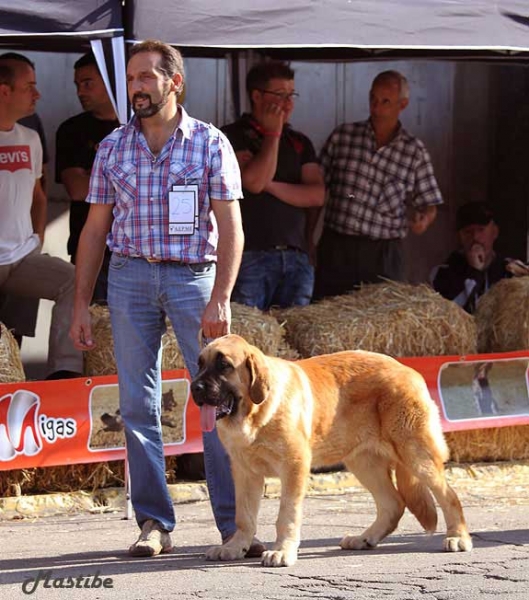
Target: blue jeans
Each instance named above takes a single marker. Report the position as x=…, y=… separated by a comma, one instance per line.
x=140, y=294
x=268, y=278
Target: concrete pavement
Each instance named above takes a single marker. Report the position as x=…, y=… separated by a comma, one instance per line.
x=86, y=548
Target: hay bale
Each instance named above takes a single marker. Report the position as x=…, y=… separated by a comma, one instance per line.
x=11, y=369
x=393, y=318
x=260, y=329
x=101, y=360
x=489, y=445
x=70, y=478
x=502, y=316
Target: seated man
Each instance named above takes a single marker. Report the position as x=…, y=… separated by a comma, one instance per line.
x=20, y=314
x=24, y=270
x=470, y=271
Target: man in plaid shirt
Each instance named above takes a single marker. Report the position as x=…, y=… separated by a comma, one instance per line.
x=164, y=195
x=380, y=184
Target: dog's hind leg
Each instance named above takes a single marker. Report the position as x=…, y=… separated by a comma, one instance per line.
x=457, y=536
x=374, y=473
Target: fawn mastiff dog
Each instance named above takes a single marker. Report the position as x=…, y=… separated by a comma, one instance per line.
x=278, y=418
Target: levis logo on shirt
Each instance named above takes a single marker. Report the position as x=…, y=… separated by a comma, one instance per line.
x=15, y=158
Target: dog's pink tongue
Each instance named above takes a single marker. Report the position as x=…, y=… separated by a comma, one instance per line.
x=208, y=417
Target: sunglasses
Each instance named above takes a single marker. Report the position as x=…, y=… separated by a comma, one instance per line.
x=283, y=96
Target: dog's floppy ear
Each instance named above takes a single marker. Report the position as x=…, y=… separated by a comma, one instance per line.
x=259, y=377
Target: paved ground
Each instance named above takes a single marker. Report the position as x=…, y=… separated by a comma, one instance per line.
x=409, y=565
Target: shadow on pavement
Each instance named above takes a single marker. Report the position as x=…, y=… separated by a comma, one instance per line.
x=115, y=562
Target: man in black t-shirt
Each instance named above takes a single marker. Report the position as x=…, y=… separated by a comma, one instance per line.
x=283, y=190
x=77, y=141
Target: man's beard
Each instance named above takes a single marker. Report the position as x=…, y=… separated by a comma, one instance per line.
x=153, y=108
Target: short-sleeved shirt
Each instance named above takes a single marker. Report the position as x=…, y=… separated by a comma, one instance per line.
x=34, y=122
x=77, y=141
x=268, y=221
x=370, y=188
x=20, y=167
x=127, y=175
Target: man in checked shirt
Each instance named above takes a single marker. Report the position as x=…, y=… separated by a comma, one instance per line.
x=166, y=189
x=380, y=184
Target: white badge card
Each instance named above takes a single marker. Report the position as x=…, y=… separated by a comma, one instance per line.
x=183, y=209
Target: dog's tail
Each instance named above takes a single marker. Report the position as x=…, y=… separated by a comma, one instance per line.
x=417, y=497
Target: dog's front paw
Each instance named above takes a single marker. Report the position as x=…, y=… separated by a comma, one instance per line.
x=279, y=558
x=225, y=552
x=357, y=542
x=461, y=543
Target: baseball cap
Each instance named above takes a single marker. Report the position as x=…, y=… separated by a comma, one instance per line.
x=474, y=213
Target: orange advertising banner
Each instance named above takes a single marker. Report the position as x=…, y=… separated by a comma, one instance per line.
x=74, y=421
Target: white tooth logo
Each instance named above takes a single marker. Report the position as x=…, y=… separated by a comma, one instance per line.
x=19, y=432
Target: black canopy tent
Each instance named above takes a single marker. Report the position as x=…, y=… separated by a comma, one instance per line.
x=58, y=24
x=70, y=26
x=492, y=31
x=336, y=28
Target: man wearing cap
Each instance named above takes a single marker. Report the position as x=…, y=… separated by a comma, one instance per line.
x=470, y=271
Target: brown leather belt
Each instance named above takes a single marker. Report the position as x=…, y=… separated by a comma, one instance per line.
x=161, y=260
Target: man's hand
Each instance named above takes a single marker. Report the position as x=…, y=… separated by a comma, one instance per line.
x=81, y=330
x=216, y=319
x=475, y=256
x=420, y=219
x=517, y=267
x=272, y=118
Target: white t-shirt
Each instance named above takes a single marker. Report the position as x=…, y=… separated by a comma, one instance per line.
x=20, y=167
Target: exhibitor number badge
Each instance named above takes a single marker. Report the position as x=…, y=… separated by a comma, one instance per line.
x=183, y=209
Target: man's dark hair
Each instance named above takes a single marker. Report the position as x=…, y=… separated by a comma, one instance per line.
x=260, y=74
x=7, y=75
x=85, y=61
x=17, y=56
x=172, y=60
x=8, y=71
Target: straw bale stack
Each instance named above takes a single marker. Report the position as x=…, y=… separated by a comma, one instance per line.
x=502, y=316
x=502, y=321
x=260, y=329
x=490, y=444
x=101, y=360
x=393, y=318
x=11, y=369
x=70, y=478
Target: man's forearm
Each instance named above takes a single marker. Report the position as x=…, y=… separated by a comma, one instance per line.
x=89, y=259
x=229, y=253
x=39, y=212
x=258, y=171
x=303, y=195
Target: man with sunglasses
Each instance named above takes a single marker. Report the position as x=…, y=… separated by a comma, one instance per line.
x=283, y=190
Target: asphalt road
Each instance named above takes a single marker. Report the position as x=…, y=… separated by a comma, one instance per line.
x=91, y=550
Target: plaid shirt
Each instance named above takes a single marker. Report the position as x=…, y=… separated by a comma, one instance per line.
x=369, y=189
x=126, y=174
